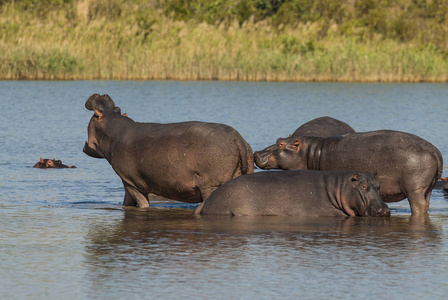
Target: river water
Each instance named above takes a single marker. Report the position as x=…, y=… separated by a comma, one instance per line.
x=64, y=234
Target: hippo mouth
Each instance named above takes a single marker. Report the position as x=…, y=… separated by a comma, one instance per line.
x=90, y=152
x=263, y=161
x=382, y=212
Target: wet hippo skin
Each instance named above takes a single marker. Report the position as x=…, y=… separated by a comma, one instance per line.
x=298, y=193
x=321, y=127
x=181, y=161
x=405, y=165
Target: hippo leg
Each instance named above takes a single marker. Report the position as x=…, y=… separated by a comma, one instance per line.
x=133, y=197
x=128, y=200
x=205, y=192
x=419, y=201
x=198, y=209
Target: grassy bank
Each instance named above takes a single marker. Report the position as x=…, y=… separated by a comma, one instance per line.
x=98, y=39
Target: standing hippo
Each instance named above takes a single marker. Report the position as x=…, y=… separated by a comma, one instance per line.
x=46, y=163
x=182, y=161
x=321, y=127
x=405, y=165
x=298, y=193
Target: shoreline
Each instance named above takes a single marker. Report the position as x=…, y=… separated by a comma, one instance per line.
x=304, y=80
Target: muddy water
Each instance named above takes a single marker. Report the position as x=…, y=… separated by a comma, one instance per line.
x=64, y=234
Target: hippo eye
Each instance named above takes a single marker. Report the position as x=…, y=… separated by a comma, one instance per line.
x=282, y=145
x=364, y=186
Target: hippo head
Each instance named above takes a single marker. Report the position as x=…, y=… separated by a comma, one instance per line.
x=360, y=196
x=46, y=163
x=103, y=108
x=284, y=154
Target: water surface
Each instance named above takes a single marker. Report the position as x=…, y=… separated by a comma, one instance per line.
x=64, y=234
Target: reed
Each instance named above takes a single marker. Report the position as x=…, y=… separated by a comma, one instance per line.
x=140, y=42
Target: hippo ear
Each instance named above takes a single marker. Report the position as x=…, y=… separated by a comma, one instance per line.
x=117, y=110
x=125, y=115
x=41, y=160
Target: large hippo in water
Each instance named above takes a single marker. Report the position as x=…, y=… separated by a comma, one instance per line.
x=181, y=161
x=405, y=165
x=322, y=127
x=298, y=193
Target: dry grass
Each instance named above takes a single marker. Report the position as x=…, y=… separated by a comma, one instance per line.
x=157, y=47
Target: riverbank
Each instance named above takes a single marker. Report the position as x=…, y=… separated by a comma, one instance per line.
x=143, y=43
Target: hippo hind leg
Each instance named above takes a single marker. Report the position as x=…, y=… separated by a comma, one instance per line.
x=419, y=201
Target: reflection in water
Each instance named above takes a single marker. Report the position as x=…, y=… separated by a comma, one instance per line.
x=178, y=251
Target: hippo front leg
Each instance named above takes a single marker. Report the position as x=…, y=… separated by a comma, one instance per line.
x=132, y=197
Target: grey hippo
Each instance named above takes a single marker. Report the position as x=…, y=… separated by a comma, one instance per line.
x=405, y=165
x=47, y=163
x=181, y=161
x=298, y=193
x=321, y=127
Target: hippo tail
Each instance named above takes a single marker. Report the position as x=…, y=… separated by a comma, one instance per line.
x=246, y=156
x=439, y=171
x=440, y=164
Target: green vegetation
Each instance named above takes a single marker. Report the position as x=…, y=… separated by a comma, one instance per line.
x=309, y=40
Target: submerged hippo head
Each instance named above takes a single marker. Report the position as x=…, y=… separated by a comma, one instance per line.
x=104, y=108
x=361, y=197
x=284, y=154
x=46, y=163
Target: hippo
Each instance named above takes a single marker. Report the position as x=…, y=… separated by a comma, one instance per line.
x=322, y=127
x=181, y=161
x=405, y=165
x=299, y=193
x=46, y=163
x=442, y=183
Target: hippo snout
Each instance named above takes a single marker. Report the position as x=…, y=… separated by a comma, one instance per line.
x=257, y=159
x=86, y=149
x=91, y=152
x=383, y=212
x=261, y=159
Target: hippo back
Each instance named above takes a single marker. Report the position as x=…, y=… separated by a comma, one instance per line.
x=323, y=127
x=298, y=193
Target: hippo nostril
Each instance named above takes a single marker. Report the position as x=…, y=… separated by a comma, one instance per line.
x=384, y=212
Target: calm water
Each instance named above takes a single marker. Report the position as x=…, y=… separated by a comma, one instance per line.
x=64, y=234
